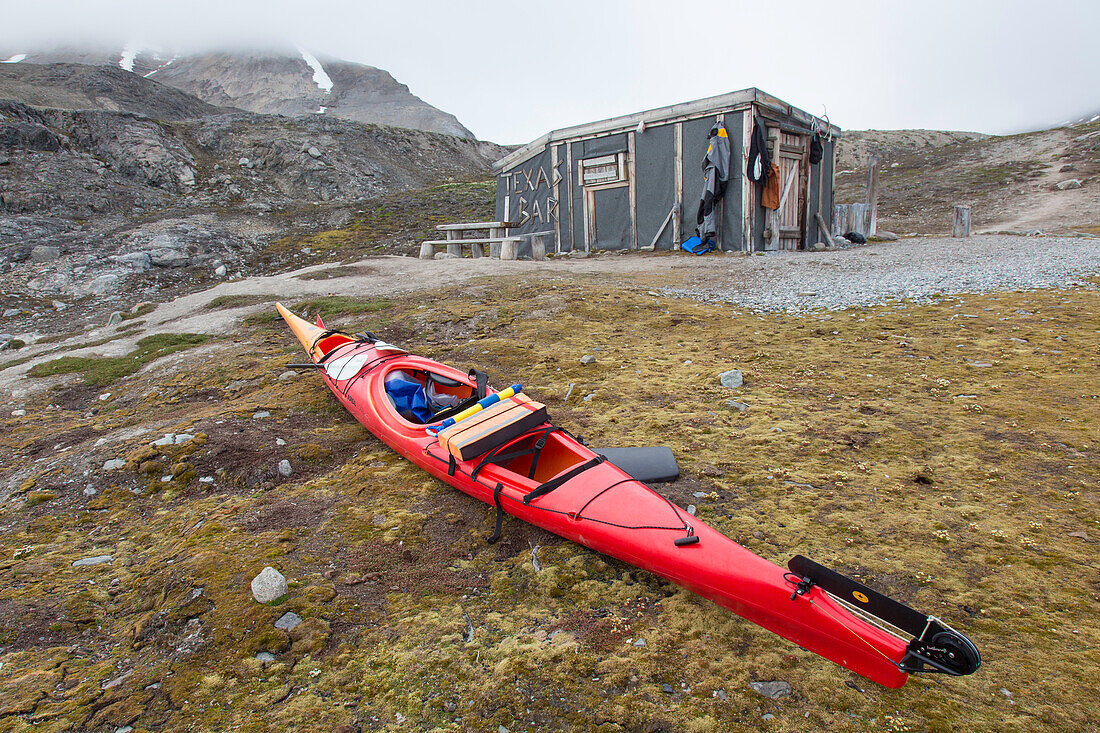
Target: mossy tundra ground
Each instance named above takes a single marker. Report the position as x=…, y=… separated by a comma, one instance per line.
x=947, y=454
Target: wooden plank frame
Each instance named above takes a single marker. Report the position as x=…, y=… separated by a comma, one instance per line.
x=633, y=195
x=557, y=195
x=678, y=174
x=748, y=204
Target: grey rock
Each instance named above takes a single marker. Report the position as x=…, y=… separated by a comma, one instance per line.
x=137, y=261
x=168, y=439
x=260, y=414
x=265, y=657
x=10, y=312
x=6, y=336
x=757, y=534
x=639, y=642
x=1068, y=168
x=450, y=706
x=768, y=716
x=288, y=374
x=96, y=560
x=221, y=270
x=125, y=729
x=180, y=438
x=739, y=406
x=446, y=256
x=18, y=413
x=721, y=694
x=819, y=246
x=89, y=490
x=578, y=254
x=243, y=162
x=1069, y=184
x=44, y=253
x=314, y=152
x=269, y=585
x=885, y=236
x=699, y=494
x=288, y=621
x=59, y=305
x=733, y=379
x=103, y=284
x=285, y=469
x=187, y=176
x=115, y=319
x=169, y=258
x=588, y=359
x=775, y=689
x=667, y=689
x=501, y=729
x=114, y=464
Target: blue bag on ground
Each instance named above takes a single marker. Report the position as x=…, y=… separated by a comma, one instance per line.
x=408, y=398
x=695, y=246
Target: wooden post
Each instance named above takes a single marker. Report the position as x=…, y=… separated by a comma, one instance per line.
x=508, y=248
x=427, y=251
x=824, y=229
x=961, y=227
x=872, y=194
x=454, y=249
x=494, y=247
x=538, y=245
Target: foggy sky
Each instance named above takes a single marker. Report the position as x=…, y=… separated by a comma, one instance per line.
x=511, y=71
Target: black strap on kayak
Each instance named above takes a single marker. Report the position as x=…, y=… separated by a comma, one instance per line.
x=500, y=514
x=555, y=483
x=452, y=465
x=481, y=382
x=495, y=456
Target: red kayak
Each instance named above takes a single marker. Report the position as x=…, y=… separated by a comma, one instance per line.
x=547, y=477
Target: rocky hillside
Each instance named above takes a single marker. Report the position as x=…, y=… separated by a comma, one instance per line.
x=78, y=86
x=283, y=81
x=1046, y=181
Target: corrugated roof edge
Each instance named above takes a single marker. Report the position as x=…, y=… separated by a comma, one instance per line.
x=653, y=116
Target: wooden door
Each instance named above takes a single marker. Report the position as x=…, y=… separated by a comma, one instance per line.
x=792, y=171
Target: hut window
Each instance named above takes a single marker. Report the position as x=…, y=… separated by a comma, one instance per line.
x=603, y=170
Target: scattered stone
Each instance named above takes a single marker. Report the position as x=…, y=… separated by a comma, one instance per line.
x=265, y=657
x=400, y=718
x=125, y=729
x=96, y=560
x=89, y=491
x=818, y=246
x=269, y=585
x=739, y=406
x=775, y=689
x=1069, y=184
x=314, y=152
x=115, y=319
x=639, y=642
x=260, y=414
x=18, y=413
x=588, y=397
x=807, y=293
x=886, y=236
x=687, y=362
x=501, y=729
x=1080, y=535
x=114, y=464
x=10, y=312
x=288, y=374
x=285, y=469
x=535, y=559
x=446, y=256
x=588, y=359
x=733, y=379
x=288, y=621
x=280, y=441
x=450, y=706
x=691, y=509
x=720, y=694
x=699, y=494
x=769, y=716
x=168, y=439
x=757, y=534
x=102, y=285
x=777, y=430
x=1006, y=692
x=667, y=689
x=221, y=270
x=243, y=162
x=44, y=253
x=1067, y=168
x=59, y=306
x=979, y=364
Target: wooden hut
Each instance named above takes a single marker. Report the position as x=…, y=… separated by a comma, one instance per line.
x=634, y=182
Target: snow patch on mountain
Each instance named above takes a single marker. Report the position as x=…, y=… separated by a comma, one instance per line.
x=320, y=78
x=126, y=60
x=162, y=66
x=14, y=59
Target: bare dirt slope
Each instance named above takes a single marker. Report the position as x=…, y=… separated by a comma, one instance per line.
x=1010, y=182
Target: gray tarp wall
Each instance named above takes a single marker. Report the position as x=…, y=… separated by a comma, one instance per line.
x=655, y=169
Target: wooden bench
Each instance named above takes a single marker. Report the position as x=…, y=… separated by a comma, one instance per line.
x=500, y=244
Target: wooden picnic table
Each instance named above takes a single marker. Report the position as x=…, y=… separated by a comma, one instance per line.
x=500, y=244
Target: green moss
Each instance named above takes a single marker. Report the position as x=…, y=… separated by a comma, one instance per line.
x=99, y=371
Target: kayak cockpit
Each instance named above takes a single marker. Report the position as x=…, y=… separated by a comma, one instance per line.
x=420, y=396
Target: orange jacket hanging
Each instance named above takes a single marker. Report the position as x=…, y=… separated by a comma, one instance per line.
x=769, y=199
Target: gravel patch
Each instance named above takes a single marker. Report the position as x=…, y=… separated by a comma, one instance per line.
x=915, y=270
